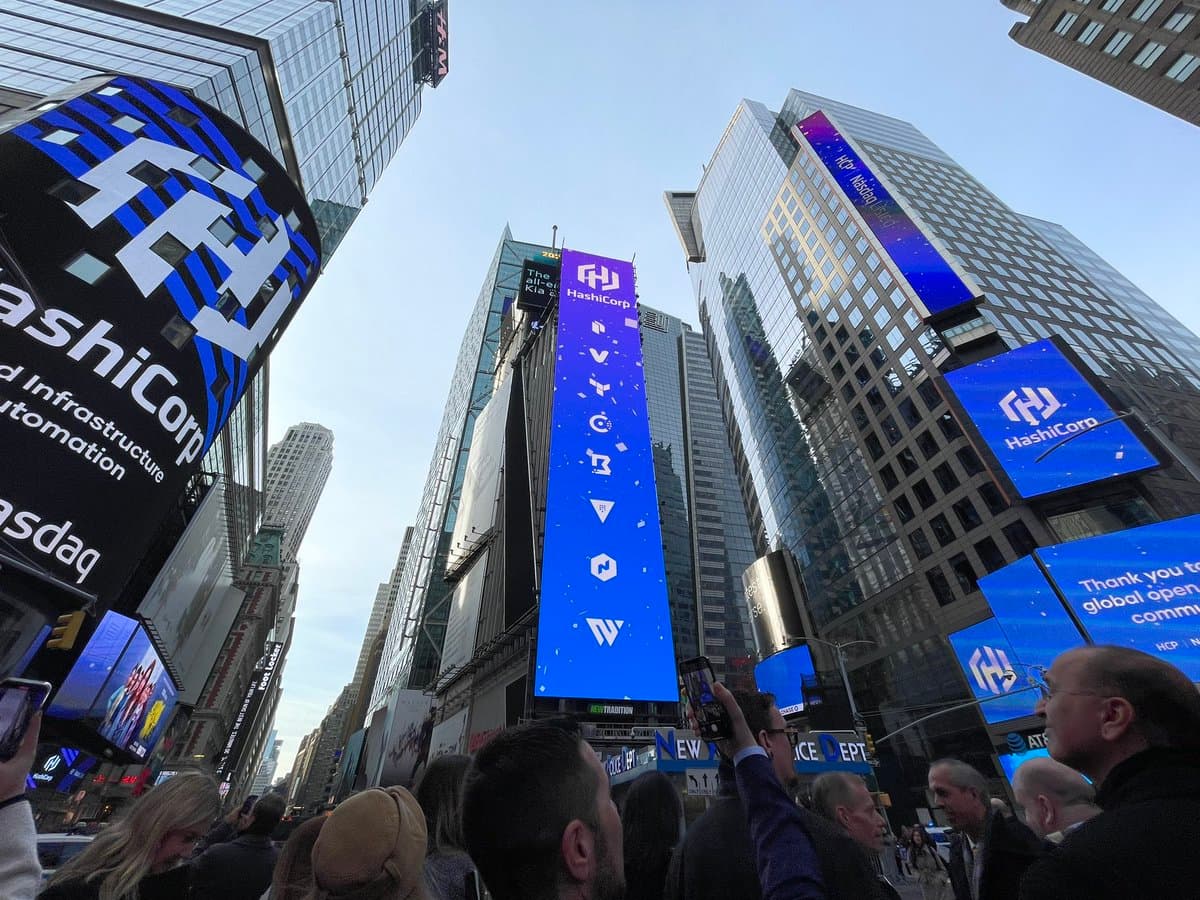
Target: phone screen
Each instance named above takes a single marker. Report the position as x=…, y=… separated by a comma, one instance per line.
x=19, y=700
x=697, y=684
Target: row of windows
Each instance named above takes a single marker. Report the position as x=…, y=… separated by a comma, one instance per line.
x=1180, y=70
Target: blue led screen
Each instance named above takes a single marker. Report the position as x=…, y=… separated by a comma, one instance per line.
x=1010, y=762
x=1030, y=614
x=1138, y=588
x=604, y=628
x=1028, y=400
x=783, y=674
x=992, y=668
x=934, y=280
x=95, y=663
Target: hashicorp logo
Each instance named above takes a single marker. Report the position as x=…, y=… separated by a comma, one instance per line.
x=598, y=277
x=992, y=671
x=1031, y=405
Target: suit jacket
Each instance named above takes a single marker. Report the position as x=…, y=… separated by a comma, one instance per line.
x=1009, y=848
x=1143, y=844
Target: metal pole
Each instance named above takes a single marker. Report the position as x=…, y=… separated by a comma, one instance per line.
x=950, y=709
x=859, y=721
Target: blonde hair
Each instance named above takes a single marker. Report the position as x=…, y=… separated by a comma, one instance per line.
x=123, y=854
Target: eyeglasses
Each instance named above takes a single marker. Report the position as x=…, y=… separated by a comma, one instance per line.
x=793, y=736
x=1049, y=692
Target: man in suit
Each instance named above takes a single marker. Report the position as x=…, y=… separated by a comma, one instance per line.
x=989, y=851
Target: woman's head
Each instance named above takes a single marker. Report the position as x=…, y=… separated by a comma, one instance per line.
x=918, y=837
x=160, y=829
x=293, y=872
x=440, y=796
x=652, y=814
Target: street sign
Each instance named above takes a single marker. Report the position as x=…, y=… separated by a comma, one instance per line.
x=702, y=782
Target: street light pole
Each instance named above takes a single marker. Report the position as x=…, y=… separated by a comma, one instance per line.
x=839, y=650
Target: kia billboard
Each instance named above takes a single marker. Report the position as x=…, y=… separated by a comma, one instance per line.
x=154, y=254
x=1045, y=422
x=604, y=628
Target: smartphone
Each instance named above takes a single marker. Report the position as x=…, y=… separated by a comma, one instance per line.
x=19, y=700
x=711, y=718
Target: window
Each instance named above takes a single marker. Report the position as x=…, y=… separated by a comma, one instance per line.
x=253, y=169
x=60, y=136
x=964, y=573
x=924, y=494
x=891, y=430
x=946, y=477
x=1090, y=32
x=184, y=117
x=169, y=249
x=1112, y=5
x=178, y=331
x=1181, y=18
x=888, y=474
x=71, y=191
x=149, y=174
x=908, y=411
x=970, y=461
x=949, y=427
x=1064, y=23
x=992, y=498
x=267, y=227
x=1019, y=538
x=222, y=231
x=940, y=587
x=87, y=268
x=908, y=462
x=207, y=168
x=920, y=543
x=1183, y=67
x=990, y=555
x=929, y=446
x=941, y=529
x=1145, y=10
x=1117, y=43
x=1149, y=54
x=129, y=123
x=929, y=394
x=967, y=515
x=875, y=398
x=227, y=305
x=874, y=447
x=904, y=509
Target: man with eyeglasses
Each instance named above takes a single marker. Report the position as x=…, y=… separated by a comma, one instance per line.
x=716, y=858
x=1131, y=723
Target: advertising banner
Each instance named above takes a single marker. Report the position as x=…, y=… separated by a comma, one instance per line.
x=772, y=601
x=604, y=628
x=1044, y=422
x=1138, y=588
x=449, y=736
x=406, y=745
x=783, y=675
x=1030, y=614
x=937, y=282
x=158, y=252
x=539, y=283
x=263, y=676
x=994, y=671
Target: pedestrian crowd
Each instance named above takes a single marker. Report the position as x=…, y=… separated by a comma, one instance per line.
x=1114, y=812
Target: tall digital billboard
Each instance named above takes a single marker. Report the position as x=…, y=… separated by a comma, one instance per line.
x=1030, y=614
x=604, y=628
x=265, y=671
x=154, y=254
x=936, y=281
x=994, y=671
x=783, y=675
x=1045, y=423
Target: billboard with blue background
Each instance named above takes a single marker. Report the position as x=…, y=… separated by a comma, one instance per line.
x=938, y=284
x=783, y=674
x=604, y=628
x=1035, y=399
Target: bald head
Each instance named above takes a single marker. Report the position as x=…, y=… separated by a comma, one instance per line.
x=1165, y=703
x=1055, y=797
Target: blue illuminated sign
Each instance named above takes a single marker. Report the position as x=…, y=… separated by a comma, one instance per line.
x=1029, y=400
x=994, y=672
x=1138, y=588
x=604, y=627
x=782, y=674
x=1010, y=762
x=933, y=278
x=1030, y=614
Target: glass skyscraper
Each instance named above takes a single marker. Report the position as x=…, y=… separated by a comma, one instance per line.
x=331, y=88
x=846, y=452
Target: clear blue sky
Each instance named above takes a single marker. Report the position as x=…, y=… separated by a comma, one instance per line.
x=580, y=115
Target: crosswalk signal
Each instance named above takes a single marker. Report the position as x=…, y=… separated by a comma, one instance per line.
x=66, y=629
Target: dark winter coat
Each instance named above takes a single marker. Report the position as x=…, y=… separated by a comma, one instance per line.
x=1009, y=848
x=170, y=885
x=238, y=870
x=1144, y=843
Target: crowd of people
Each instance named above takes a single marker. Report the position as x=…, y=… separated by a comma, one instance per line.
x=1114, y=813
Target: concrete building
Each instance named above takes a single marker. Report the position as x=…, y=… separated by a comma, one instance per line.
x=297, y=469
x=1150, y=49
x=265, y=776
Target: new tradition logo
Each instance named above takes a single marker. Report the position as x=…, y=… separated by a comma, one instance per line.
x=1037, y=402
x=992, y=671
x=598, y=277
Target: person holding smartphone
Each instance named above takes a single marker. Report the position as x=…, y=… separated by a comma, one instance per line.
x=20, y=873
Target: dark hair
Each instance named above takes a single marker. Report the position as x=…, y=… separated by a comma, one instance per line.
x=293, y=877
x=1165, y=703
x=521, y=791
x=267, y=812
x=756, y=707
x=440, y=797
x=652, y=819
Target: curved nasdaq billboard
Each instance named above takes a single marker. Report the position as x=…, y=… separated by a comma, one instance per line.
x=604, y=628
x=152, y=254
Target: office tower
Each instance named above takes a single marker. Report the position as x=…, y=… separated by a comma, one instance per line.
x=332, y=89
x=265, y=777
x=412, y=651
x=297, y=469
x=828, y=365
x=1149, y=49
x=323, y=755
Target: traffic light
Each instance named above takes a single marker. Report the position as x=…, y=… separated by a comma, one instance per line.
x=65, y=630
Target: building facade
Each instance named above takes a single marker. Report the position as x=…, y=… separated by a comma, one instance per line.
x=297, y=469
x=846, y=452
x=265, y=776
x=1149, y=49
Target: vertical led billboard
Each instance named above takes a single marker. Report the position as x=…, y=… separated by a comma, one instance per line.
x=938, y=284
x=604, y=628
x=1045, y=423
x=154, y=253
x=1030, y=613
x=994, y=671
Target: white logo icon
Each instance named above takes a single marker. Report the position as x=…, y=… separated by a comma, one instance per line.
x=604, y=567
x=602, y=508
x=992, y=671
x=600, y=423
x=1037, y=402
x=52, y=762
x=599, y=463
x=597, y=328
x=601, y=277
x=600, y=388
x=598, y=355
x=605, y=631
